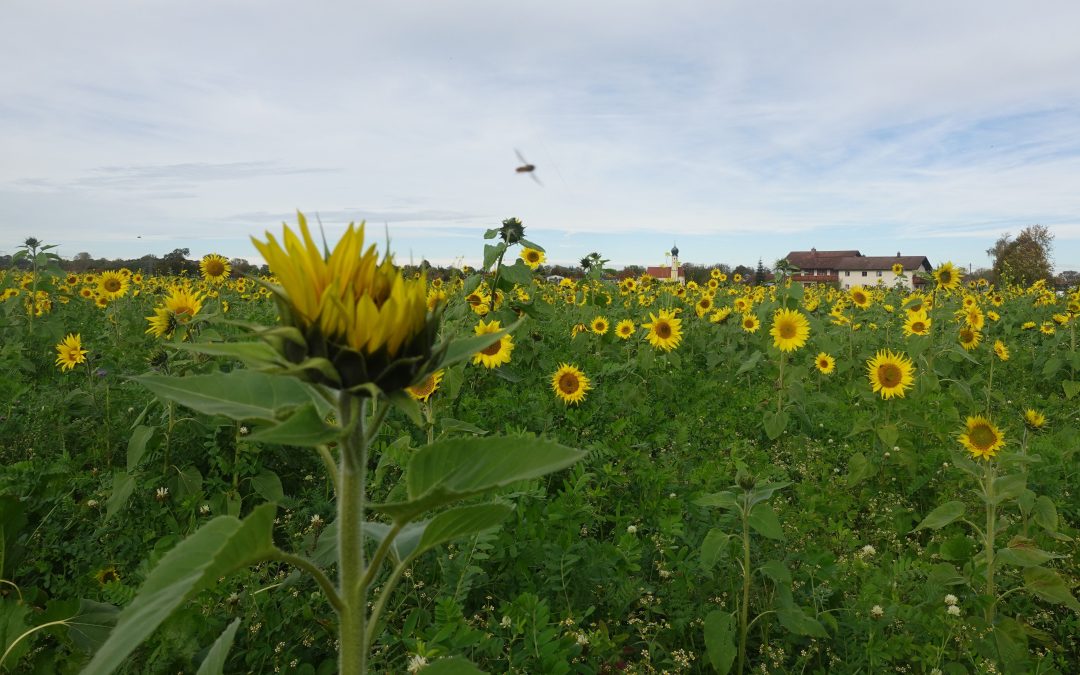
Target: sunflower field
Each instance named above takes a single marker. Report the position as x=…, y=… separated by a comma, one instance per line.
x=346, y=466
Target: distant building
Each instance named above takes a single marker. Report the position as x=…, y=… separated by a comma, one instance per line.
x=852, y=268
x=673, y=272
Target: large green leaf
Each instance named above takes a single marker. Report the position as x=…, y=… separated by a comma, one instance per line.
x=720, y=640
x=775, y=423
x=942, y=516
x=89, y=626
x=214, y=663
x=137, y=445
x=416, y=538
x=518, y=273
x=859, y=469
x=764, y=521
x=216, y=549
x=12, y=627
x=712, y=547
x=253, y=354
x=455, y=665
x=267, y=485
x=304, y=428
x=724, y=499
x=122, y=487
x=449, y=470
x=240, y=394
x=799, y=622
x=1048, y=585
x=1045, y=513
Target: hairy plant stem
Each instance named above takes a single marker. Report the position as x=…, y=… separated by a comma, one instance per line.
x=990, y=536
x=352, y=647
x=744, y=606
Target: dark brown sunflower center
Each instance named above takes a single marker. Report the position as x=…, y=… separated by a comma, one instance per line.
x=860, y=299
x=918, y=326
x=424, y=388
x=787, y=330
x=532, y=256
x=568, y=383
x=493, y=349
x=890, y=375
x=215, y=268
x=474, y=299
x=946, y=277
x=967, y=336
x=111, y=285
x=662, y=329
x=983, y=437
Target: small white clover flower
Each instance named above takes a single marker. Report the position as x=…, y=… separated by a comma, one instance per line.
x=204, y=510
x=416, y=662
x=316, y=520
x=877, y=611
x=91, y=503
x=506, y=622
x=868, y=551
x=244, y=431
x=953, y=610
x=161, y=494
x=631, y=529
x=951, y=599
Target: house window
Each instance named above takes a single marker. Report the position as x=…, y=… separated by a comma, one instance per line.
x=864, y=273
x=879, y=273
x=847, y=273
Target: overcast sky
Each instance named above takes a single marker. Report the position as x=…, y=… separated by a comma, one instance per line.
x=738, y=130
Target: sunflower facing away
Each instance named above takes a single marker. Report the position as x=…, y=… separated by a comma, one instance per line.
x=981, y=437
x=947, y=276
x=600, y=325
x=215, y=268
x=890, y=373
x=532, y=257
x=790, y=330
x=423, y=390
x=69, y=352
x=825, y=363
x=496, y=354
x=1001, y=350
x=570, y=384
x=625, y=329
x=665, y=332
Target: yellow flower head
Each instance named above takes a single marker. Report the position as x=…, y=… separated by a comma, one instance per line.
x=890, y=373
x=790, y=330
x=917, y=323
x=112, y=285
x=969, y=338
x=665, y=331
x=532, y=257
x=625, y=329
x=1001, y=350
x=825, y=363
x=423, y=390
x=570, y=384
x=497, y=353
x=69, y=352
x=362, y=316
x=1034, y=419
x=215, y=268
x=981, y=437
x=600, y=325
x=860, y=297
x=947, y=276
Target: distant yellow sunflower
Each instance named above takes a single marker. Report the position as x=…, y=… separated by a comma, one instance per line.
x=600, y=325
x=890, y=373
x=570, y=384
x=898, y=269
x=750, y=323
x=112, y=285
x=86, y=292
x=423, y=390
x=790, y=330
x=742, y=305
x=1047, y=328
x=720, y=315
x=215, y=268
x=71, y=279
x=625, y=329
x=715, y=273
x=478, y=302
x=737, y=278
x=69, y=352
x=665, y=331
x=981, y=437
x=496, y=354
x=1001, y=350
x=532, y=257
x=825, y=363
x=702, y=306
x=974, y=317
x=859, y=297
x=107, y=575
x=1034, y=419
x=917, y=323
x=1027, y=325
x=969, y=338
x=947, y=276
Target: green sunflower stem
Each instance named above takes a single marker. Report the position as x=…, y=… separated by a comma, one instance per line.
x=780, y=389
x=990, y=534
x=989, y=385
x=352, y=644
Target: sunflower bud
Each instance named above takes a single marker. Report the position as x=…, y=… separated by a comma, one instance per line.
x=358, y=322
x=511, y=231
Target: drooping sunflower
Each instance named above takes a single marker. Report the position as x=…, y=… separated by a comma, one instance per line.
x=665, y=331
x=625, y=329
x=720, y=315
x=981, y=437
x=112, y=285
x=1034, y=419
x=600, y=325
x=497, y=353
x=947, y=276
x=215, y=268
x=570, y=384
x=969, y=338
x=532, y=257
x=69, y=352
x=750, y=323
x=890, y=373
x=423, y=390
x=825, y=363
x=1001, y=350
x=917, y=323
x=790, y=330
x=859, y=297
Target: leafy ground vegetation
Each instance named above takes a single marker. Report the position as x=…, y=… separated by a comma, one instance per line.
x=773, y=479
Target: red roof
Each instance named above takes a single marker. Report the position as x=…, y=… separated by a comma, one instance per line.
x=663, y=272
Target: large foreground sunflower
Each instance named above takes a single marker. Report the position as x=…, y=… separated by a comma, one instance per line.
x=890, y=373
x=665, y=331
x=790, y=330
x=69, y=352
x=981, y=437
x=570, y=384
x=497, y=353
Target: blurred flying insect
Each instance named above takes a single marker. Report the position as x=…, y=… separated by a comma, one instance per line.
x=526, y=167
